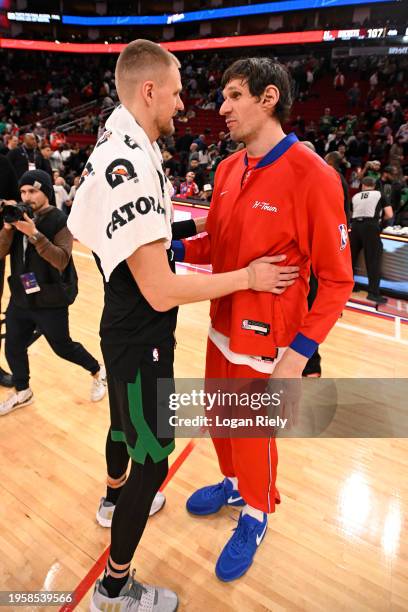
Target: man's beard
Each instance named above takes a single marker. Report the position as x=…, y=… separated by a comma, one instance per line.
x=168, y=129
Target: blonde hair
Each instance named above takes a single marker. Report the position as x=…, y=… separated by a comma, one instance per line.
x=137, y=57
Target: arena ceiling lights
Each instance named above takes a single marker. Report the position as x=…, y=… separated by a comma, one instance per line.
x=222, y=13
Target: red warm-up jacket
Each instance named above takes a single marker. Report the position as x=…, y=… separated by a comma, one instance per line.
x=291, y=204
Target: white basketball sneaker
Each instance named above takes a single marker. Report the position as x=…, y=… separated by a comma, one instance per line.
x=98, y=388
x=134, y=597
x=106, y=509
x=16, y=400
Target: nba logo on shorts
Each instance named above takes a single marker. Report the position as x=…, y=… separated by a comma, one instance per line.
x=343, y=236
x=155, y=354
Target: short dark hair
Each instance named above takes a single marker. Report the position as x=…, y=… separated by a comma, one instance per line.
x=333, y=158
x=258, y=73
x=368, y=181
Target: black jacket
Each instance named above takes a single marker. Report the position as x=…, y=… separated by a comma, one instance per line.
x=20, y=158
x=8, y=183
x=57, y=289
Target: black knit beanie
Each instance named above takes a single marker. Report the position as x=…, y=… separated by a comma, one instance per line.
x=40, y=180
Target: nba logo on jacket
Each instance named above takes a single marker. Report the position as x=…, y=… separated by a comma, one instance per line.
x=343, y=236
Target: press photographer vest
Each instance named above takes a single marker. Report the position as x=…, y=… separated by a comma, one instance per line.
x=58, y=289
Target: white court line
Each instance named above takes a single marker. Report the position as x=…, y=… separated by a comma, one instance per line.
x=86, y=255
x=373, y=334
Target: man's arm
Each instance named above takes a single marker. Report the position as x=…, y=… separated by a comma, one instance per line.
x=188, y=228
x=323, y=237
x=56, y=253
x=10, y=187
x=164, y=290
x=388, y=213
x=197, y=251
x=6, y=238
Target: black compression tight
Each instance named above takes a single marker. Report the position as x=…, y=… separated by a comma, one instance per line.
x=133, y=506
x=117, y=457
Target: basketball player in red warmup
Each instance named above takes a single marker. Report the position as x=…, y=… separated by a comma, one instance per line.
x=276, y=196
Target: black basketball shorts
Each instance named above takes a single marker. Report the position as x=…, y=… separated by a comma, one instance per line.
x=136, y=408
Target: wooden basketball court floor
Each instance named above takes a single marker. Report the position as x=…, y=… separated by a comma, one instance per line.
x=338, y=540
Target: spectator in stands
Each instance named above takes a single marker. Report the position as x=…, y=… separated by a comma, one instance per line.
x=56, y=160
x=372, y=169
x=373, y=80
x=390, y=187
x=46, y=152
x=354, y=95
x=214, y=160
x=396, y=156
x=193, y=152
x=73, y=190
x=11, y=143
x=402, y=136
x=198, y=172
x=27, y=157
x=88, y=91
x=66, y=152
x=343, y=163
x=222, y=144
x=335, y=140
x=334, y=160
x=206, y=193
x=378, y=149
x=203, y=159
x=189, y=188
x=357, y=148
x=402, y=212
x=170, y=164
x=40, y=131
x=201, y=142
x=339, y=80
x=183, y=143
x=61, y=196
x=326, y=121
x=3, y=125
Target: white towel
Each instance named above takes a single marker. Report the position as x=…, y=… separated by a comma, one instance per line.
x=123, y=200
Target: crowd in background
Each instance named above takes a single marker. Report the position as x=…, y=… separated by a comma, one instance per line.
x=370, y=136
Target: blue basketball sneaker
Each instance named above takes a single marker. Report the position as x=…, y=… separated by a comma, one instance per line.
x=238, y=553
x=209, y=500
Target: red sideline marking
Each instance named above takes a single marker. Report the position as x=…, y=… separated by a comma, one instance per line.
x=95, y=571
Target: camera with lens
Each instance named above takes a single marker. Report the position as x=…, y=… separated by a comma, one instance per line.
x=15, y=212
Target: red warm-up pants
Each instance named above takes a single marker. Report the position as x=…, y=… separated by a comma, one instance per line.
x=253, y=461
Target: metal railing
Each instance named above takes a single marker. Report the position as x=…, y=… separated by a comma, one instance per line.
x=77, y=123
x=51, y=119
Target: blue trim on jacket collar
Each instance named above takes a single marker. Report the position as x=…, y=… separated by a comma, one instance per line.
x=277, y=151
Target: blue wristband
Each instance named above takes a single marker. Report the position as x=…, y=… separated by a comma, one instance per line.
x=303, y=345
x=178, y=250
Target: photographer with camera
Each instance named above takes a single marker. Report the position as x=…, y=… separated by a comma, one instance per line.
x=8, y=194
x=43, y=283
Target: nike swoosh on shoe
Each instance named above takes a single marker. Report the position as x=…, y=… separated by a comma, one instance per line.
x=231, y=499
x=260, y=537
